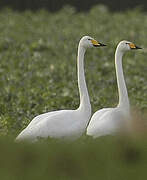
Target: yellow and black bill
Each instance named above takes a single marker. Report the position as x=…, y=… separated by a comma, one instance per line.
x=133, y=46
x=96, y=43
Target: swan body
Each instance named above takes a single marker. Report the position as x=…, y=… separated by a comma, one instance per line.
x=66, y=124
x=112, y=120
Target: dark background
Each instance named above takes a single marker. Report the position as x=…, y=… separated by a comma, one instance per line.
x=80, y=5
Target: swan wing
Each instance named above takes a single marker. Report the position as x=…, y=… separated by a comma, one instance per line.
x=108, y=122
x=97, y=116
x=40, y=117
x=64, y=123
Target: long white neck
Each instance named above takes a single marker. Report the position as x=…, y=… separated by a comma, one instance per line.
x=84, y=97
x=123, y=94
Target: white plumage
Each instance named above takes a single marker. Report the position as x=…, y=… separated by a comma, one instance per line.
x=67, y=124
x=111, y=120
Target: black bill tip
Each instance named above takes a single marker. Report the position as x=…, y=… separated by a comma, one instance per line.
x=102, y=44
x=99, y=45
x=137, y=47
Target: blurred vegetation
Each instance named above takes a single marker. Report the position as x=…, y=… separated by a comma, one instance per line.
x=38, y=74
x=38, y=62
x=82, y=5
x=105, y=158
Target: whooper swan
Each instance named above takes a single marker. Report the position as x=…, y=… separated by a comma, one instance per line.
x=66, y=124
x=111, y=120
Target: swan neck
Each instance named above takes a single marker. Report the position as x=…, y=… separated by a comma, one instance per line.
x=84, y=96
x=122, y=89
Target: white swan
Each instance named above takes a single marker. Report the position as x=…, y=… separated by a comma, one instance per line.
x=67, y=124
x=110, y=120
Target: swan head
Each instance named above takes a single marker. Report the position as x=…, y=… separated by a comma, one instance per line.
x=89, y=42
x=126, y=46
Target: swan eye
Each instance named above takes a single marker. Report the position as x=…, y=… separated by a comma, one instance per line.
x=89, y=39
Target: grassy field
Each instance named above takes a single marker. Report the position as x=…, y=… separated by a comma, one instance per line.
x=38, y=74
x=86, y=159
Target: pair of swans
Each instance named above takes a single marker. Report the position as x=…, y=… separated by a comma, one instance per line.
x=71, y=124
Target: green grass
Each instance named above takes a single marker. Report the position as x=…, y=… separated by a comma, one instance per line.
x=38, y=74
x=86, y=159
x=38, y=62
